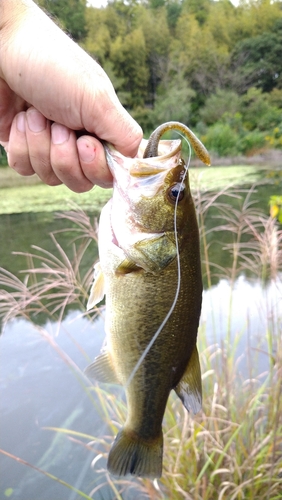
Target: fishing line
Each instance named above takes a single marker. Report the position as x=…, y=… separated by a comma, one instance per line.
x=154, y=338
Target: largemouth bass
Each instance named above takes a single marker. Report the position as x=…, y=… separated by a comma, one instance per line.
x=150, y=271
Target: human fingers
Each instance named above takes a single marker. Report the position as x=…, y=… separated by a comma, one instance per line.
x=76, y=93
x=86, y=161
x=78, y=163
x=38, y=138
x=28, y=147
x=17, y=148
x=10, y=105
x=93, y=162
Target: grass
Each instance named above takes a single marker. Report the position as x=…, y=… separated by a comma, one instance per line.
x=27, y=194
x=232, y=450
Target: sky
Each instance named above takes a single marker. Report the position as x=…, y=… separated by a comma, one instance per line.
x=97, y=3
x=103, y=3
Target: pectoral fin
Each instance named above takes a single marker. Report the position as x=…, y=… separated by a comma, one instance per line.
x=102, y=370
x=151, y=254
x=157, y=252
x=98, y=288
x=127, y=266
x=189, y=389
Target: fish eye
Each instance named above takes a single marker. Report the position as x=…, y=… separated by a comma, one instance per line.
x=177, y=190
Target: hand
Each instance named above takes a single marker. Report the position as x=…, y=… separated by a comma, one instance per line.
x=50, y=88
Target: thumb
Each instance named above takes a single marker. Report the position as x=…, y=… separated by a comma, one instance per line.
x=51, y=72
x=109, y=121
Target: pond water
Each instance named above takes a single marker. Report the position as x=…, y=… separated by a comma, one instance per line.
x=41, y=388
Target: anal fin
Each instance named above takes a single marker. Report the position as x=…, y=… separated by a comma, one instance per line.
x=102, y=370
x=189, y=388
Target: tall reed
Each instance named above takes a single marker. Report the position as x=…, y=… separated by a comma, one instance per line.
x=233, y=448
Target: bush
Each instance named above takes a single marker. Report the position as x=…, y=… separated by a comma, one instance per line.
x=257, y=111
x=145, y=118
x=252, y=141
x=219, y=104
x=274, y=138
x=221, y=139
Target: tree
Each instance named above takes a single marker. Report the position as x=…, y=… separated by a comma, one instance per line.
x=203, y=61
x=198, y=8
x=173, y=9
x=98, y=40
x=258, y=112
x=71, y=14
x=174, y=102
x=254, y=17
x=220, y=22
x=157, y=42
x=129, y=56
x=218, y=104
x=259, y=61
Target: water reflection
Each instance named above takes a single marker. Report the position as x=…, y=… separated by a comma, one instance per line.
x=40, y=387
x=241, y=317
x=21, y=232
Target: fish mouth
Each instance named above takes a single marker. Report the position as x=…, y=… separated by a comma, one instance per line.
x=151, y=166
x=144, y=175
x=166, y=149
x=140, y=166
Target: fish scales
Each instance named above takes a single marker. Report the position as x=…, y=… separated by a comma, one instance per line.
x=138, y=272
x=147, y=303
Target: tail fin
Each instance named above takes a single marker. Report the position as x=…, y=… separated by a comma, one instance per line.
x=130, y=454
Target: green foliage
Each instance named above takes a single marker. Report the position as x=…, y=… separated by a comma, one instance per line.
x=130, y=63
x=274, y=137
x=29, y=194
x=275, y=204
x=71, y=14
x=259, y=59
x=146, y=119
x=231, y=450
x=199, y=8
x=275, y=98
x=258, y=112
x=3, y=157
x=221, y=139
x=252, y=141
x=217, y=105
x=174, y=102
x=154, y=26
x=173, y=8
x=209, y=64
x=98, y=39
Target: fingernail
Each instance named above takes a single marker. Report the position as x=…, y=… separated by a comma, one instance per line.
x=36, y=121
x=21, y=122
x=86, y=150
x=59, y=133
